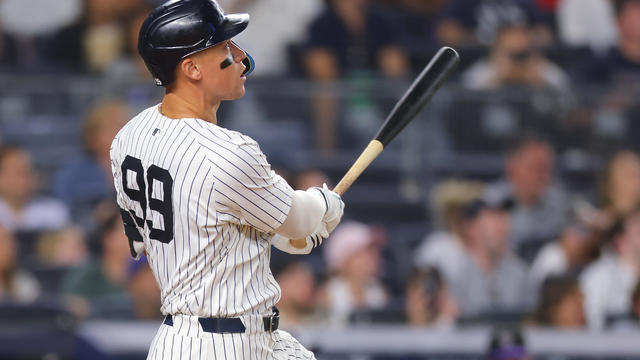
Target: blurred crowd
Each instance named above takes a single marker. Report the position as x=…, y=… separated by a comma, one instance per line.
x=524, y=248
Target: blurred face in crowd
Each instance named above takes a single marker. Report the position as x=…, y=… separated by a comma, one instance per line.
x=629, y=21
x=428, y=301
x=115, y=243
x=492, y=227
x=623, y=185
x=298, y=287
x=529, y=170
x=576, y=245
x=568, y=313
x=363, y=264
x=307, y=179
x=17, y=177
x=8, y=251
x=514, y=54
x=103, y=123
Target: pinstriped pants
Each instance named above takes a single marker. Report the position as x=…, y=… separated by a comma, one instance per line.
x=186, y=340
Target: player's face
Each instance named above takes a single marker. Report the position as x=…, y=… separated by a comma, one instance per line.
x=227, y=83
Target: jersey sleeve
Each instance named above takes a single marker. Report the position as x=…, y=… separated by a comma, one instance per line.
x=248, y=190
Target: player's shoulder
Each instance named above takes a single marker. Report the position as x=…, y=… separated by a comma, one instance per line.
x=126, y=130
x=212, y=137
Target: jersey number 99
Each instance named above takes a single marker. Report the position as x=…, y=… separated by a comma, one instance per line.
x=143, y=196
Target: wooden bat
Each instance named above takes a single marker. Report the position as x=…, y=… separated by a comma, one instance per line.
x=414, y=99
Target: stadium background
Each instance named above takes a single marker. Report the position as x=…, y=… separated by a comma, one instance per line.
x=539, y=121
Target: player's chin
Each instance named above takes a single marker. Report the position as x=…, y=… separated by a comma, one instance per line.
x=239, y=92
x=236, y=94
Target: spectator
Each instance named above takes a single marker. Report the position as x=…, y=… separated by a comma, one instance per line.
x=63, y=248
x=619, y=188
x=568, y=255
x=299, y=294
x=352, y=35
x=444, y=248
x=20, y=208
x=561, y=304
x=87, y=180
x=515, y=60
x=96, y=39
x=26, y=22
x=471, y=22
x=418, y=20
x=608, y=283
x=350, y=40
x=492, y=279
x=101, y=283
x=310, y=177
x=15, y=284
x=143, y=290
x=538, y=198
x=352, y=254
x=428, y=301
x=622, y=63
x=127, y=77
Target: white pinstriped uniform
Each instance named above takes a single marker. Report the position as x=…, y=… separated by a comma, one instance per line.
x=217, y=193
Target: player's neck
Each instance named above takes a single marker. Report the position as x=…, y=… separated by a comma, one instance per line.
x=176, y=106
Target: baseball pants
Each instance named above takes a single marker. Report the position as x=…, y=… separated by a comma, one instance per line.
x=185, y=339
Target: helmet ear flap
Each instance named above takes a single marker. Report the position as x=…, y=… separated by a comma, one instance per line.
x=249, y=63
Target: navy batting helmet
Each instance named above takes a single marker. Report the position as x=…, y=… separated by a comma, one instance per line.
x=180, y=28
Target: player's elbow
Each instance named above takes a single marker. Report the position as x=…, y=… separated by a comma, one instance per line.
x=304, y=216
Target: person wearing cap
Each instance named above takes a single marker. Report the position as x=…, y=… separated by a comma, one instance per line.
x=541, y=204
x=352, y=256
x=493, y=278
x=202, y=201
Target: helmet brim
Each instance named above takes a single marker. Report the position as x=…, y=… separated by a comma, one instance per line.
x=232, y=25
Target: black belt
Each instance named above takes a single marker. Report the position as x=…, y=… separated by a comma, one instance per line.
x=231, y=325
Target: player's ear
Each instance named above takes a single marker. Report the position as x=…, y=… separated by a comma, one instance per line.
x=190, y=69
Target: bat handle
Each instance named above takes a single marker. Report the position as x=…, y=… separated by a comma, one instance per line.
x=368, y=155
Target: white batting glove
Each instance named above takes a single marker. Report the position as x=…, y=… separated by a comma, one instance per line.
x=334, y=212
x=319, y=234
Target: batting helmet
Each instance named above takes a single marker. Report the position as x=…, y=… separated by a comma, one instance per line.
x=180, y=28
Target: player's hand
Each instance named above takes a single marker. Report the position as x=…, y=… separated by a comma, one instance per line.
x=335, y=208
x=319, y=234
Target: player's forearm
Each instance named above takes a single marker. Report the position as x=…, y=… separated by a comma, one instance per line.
x=306, y=213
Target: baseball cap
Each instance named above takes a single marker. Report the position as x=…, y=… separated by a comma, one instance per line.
x=346, y=240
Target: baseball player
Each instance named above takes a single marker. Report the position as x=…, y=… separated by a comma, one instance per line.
x=202, y=201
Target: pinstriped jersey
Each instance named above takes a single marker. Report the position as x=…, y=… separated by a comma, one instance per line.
x=205, y=203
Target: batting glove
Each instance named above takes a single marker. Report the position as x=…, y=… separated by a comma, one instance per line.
x=319, y=234
x=335, y=210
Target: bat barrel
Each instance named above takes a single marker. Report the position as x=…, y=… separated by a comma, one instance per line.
x=422, y=89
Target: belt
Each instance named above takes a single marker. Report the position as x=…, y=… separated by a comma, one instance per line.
x=231, y=325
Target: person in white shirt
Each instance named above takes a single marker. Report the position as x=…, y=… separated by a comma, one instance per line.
x=608, y=283
x=20, y=208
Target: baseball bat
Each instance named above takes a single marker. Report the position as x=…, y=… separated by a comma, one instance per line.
x=414, y=99
x=405, y=110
